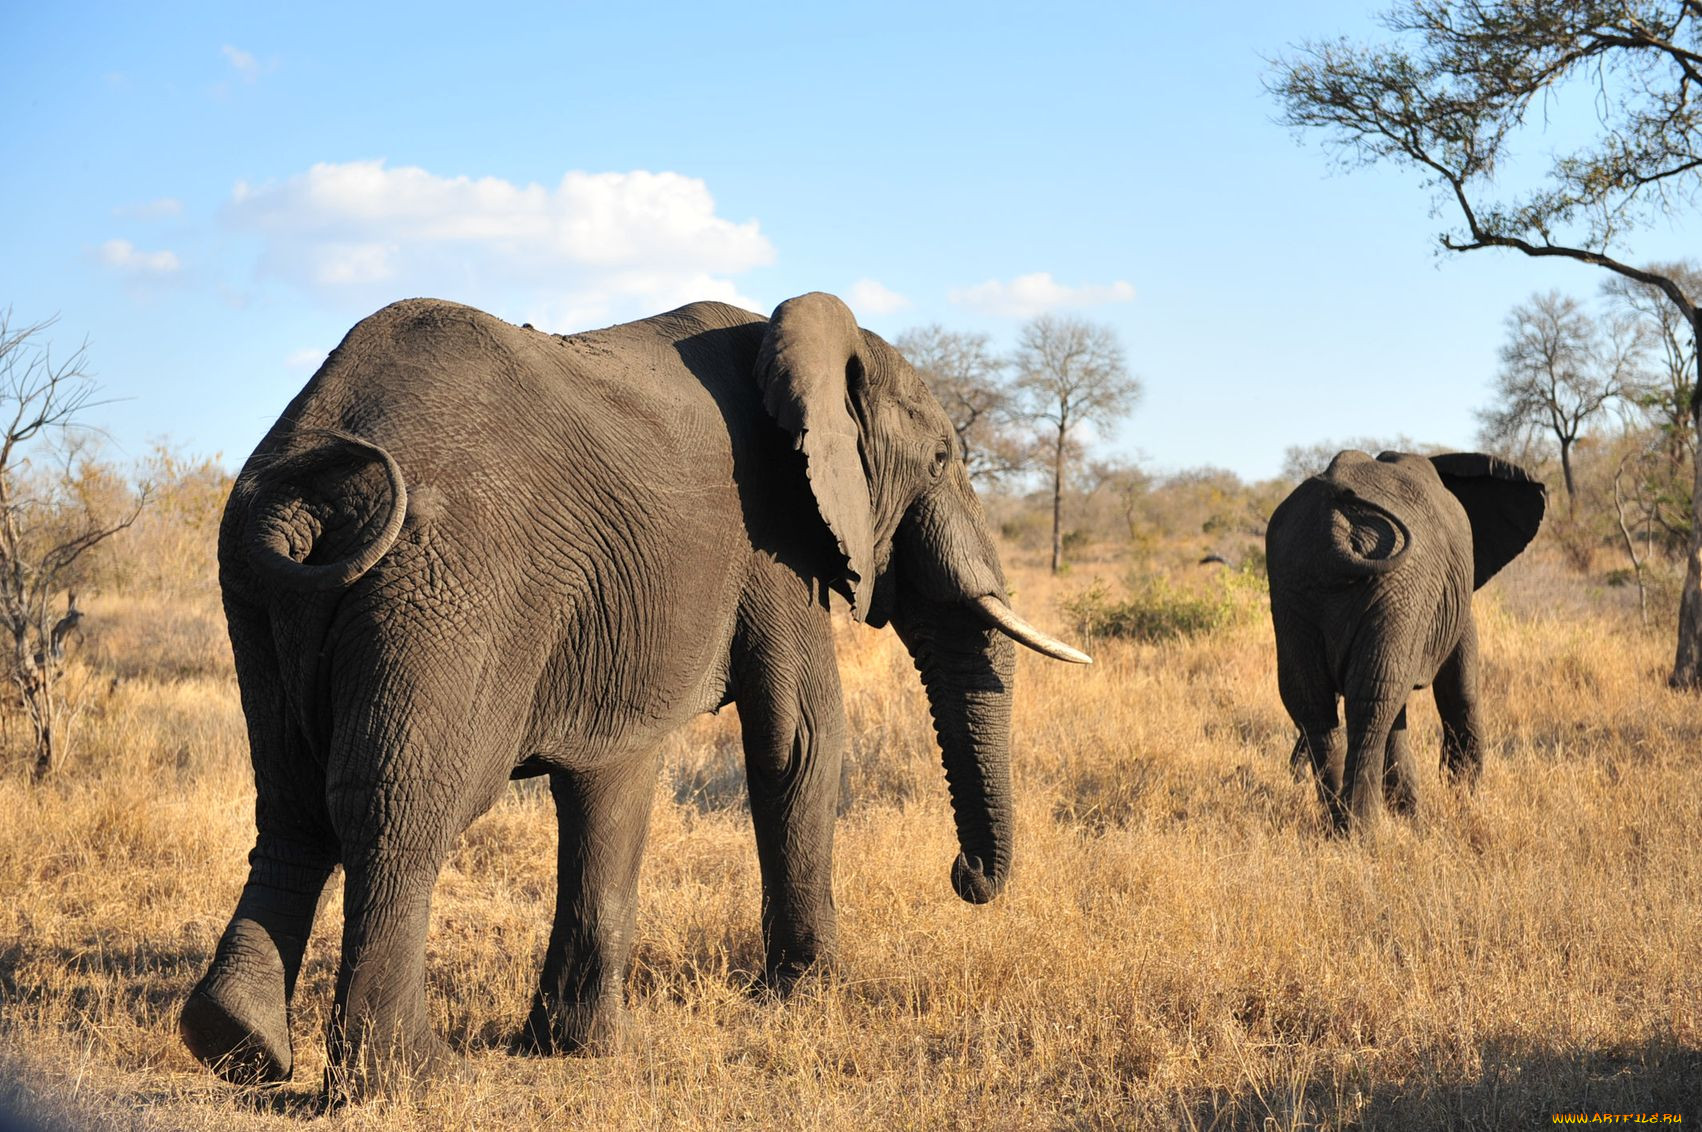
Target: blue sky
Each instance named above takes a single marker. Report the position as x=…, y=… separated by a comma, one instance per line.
x=213, y=194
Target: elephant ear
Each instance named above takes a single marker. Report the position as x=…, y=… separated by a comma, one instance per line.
x=810, y=370
x=1503, y=502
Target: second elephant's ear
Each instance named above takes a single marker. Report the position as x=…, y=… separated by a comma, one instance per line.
x=1503, y=502
x=810, y=369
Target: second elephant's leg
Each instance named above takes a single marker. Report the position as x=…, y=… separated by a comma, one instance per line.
x=1372, y=710
x=1400, y=781
x=603, y=817
x=1455, y=688
x=1308, y=692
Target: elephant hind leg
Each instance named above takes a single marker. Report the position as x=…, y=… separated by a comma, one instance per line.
x=1372, y=715
x=380, y=1034
x=400, y=791
x=1400, y=780
x=1309, y=694
x=603, y=817
x=237, y=1019
x=1456, y=694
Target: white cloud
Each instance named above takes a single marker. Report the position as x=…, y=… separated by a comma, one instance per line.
x=122, y=255
x=629, y=294
x=870, y=297
x=1030, y=295
x=244, y=64
x=157, y=209
x=642, y=241
x=306, y=358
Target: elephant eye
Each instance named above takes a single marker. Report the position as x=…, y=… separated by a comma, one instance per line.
x=941, y=455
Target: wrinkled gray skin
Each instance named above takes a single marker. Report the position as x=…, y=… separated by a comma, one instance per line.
x=1372, y=567
x=470, y=552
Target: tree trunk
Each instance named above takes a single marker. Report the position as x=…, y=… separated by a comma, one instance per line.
x=44, y=754
x=1630, y=547
x=1687, y=665
x=1058, y=503
x=37, y=691
x=1566, y=475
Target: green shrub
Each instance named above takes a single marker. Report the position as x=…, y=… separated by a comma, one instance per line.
x=1156, y=609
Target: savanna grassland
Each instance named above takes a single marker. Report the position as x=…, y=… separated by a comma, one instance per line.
x=1182, y=945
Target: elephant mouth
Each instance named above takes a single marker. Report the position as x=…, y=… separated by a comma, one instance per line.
x=1000, y=616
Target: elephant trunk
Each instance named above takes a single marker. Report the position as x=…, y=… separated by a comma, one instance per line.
x=967, y=671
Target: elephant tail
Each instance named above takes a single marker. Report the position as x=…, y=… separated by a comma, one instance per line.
x=1366, y=537
x=320, y=518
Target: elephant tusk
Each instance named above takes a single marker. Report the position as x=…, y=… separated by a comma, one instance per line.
x=1000, y=617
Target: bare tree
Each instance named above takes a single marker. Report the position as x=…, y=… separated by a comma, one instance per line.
x=1558, y=370
x=46, y=527
x=969, y=380
x=1450, y=96
x=1664, y=391
x=1659, y=478
x=1632, y=506
x=1070, y=373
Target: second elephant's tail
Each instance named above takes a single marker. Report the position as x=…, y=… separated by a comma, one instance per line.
x=1365, y=537
x=321, y=517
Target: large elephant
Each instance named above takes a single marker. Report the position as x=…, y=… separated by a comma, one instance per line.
x=1372, y=566
x=470, y=552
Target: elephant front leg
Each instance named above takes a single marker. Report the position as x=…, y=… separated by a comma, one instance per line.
x=1455, y=688
x=794, y=739
x=603, y=817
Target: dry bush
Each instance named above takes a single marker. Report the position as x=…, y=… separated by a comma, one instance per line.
x=1182, y=944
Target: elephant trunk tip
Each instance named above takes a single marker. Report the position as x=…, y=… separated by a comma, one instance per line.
x=972, y=882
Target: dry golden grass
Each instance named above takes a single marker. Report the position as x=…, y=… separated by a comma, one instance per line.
x=1182, y=946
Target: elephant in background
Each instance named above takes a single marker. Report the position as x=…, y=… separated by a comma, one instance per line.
x=469, y=552
x=1372, y=568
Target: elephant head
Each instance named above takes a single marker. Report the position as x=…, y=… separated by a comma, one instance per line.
x=913, y=547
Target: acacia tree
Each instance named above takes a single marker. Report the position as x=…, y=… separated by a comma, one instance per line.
x=1657, y=473
x=1449, y=96
x=47, y=524
x=1070, y=373
x=1557, y=371
x=969, y=380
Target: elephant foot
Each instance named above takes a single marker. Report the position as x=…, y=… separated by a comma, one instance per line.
x=1464, y=775
x=397, y=1068
x=242, y=1040
x=793, y=976
x=583, y=1029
